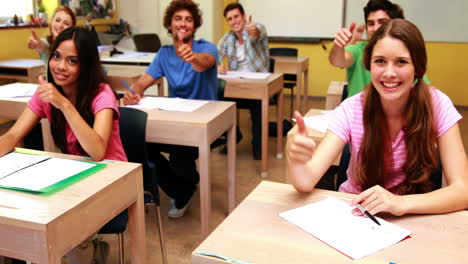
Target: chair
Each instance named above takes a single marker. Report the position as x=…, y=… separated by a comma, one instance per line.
x=147, y=42
x=133, y=136
x=289, y=79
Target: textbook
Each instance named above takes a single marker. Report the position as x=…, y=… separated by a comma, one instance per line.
x=332, y=222
x=40, y=173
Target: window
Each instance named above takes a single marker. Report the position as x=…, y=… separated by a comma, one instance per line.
x=21, y=8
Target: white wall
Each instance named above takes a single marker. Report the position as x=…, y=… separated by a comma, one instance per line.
x=145, y=16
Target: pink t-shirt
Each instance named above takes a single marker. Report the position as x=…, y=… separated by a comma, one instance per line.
x=348, y=125
x=103, y=100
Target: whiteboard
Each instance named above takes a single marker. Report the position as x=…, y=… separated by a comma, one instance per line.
x=297, y=18
x=439, y=21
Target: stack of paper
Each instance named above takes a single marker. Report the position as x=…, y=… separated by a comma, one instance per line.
x=331, y=220
x=169, y=104
x=245, y=75
x=15, y=90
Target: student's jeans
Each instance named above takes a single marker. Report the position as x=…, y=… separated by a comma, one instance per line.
x=178, y=177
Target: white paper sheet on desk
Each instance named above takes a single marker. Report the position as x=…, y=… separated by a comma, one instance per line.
x=319, y=122
x=170, y=104
x=244, y=75
x=40, y=175
x=14, y=90
x=331, y=221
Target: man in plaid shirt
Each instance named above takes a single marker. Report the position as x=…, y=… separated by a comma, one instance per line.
x=246, y=48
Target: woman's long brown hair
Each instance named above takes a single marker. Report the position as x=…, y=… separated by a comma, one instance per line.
x=375, y=155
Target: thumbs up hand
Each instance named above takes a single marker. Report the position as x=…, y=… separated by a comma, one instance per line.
x=184, y=50
x=35, y=43
x=48, y=93
x=252, y=30
x=344, y=36
x=300, y=147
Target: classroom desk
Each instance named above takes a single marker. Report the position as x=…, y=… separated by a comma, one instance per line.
x=199, y=129
x=334, y=94
x=261, y=90
x=300, y=67
x=256, y=233
x=130, y=74
x=22, y=70
x=129, y=67
x=43, y=228
x=11, y=108
x=134, y=58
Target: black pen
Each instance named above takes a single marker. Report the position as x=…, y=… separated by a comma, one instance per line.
x=364, y=211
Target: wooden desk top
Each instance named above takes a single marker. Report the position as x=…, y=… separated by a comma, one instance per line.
x=254, y=88
x=131, y=57
x=256, y=233
x=187, y=128
x=35, y=211
x=21, y=63
x=42, y=228
x=290, y=59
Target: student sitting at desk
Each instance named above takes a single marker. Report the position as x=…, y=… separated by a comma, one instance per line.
x=81, y=108
x=246, y=49
x=189, y=66
x=62, y=19
x=397, y=128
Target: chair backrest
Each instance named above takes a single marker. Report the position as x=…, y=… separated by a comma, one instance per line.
x=292, y=52
x=283, y=52
x=133, y=135
x=147, y=42
x=272, y=65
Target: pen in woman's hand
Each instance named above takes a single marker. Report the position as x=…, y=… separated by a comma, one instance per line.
x=364, y=211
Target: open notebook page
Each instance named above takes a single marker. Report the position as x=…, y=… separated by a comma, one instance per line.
x=169, y=104
x=45, y=173
x=14, y=90
x=14, y=161
x=331, y=220
x=245, y=75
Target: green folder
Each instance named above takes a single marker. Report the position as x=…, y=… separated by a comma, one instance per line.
x=60, y=184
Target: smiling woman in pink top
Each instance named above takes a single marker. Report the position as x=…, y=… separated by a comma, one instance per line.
x=397, y=128
x=80, y=106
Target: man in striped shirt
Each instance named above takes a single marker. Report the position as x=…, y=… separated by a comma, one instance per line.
x=246, y=48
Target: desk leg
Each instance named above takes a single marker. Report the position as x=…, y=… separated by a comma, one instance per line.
x=264, y=136
x=231, y=156
x=306, y=91
x=299, y=89
x=205, y=187
x=279, y=118
x=136, y=224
